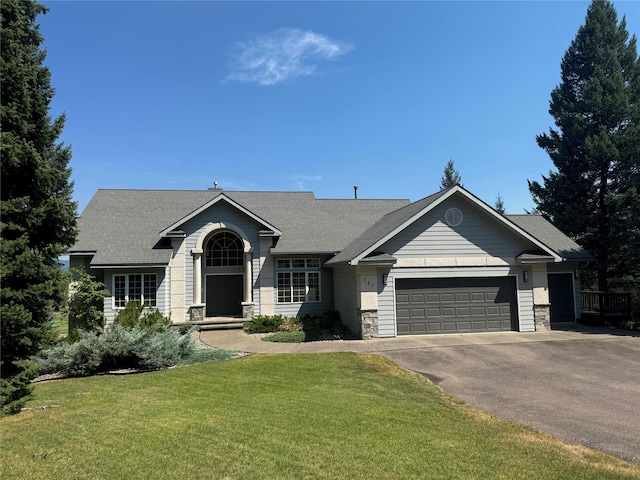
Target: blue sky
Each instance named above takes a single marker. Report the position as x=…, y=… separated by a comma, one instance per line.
x=315, y=96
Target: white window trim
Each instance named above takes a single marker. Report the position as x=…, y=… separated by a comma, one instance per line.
x=290, y=270
x=126, y=289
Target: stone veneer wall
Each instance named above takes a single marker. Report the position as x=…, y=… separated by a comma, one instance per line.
x=542, y=314
x=369, y=324
x=196, y=313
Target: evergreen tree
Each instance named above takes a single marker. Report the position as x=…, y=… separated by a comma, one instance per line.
x=451, y=177
x=593, y=195
x=37, y=215
x=499, y=205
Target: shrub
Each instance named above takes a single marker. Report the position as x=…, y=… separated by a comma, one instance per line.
x=310, y=323
x=291, y=324
x=285, y=337
x=85, y=303
x=330, y=320
x=133, y=315
x=129, y=316
x=207, y=355
x=264, y=323
x=117, y=348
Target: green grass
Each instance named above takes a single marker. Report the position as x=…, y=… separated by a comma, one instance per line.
x=61, y=323
x=323, y=416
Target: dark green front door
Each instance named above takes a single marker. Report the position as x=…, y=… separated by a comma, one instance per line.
x=224, y=295
x=561, y=297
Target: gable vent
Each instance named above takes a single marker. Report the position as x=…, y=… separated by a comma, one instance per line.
x=453, y=217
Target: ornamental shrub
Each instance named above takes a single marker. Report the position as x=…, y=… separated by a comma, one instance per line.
x=264, y=323
x=134, y=315
x=117, y=348
x=85, y=303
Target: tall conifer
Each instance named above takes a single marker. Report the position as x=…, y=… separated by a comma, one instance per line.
x=37, y=215
x=593, y=195
x=450, y=177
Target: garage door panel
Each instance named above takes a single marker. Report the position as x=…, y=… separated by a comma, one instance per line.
x=447, y=297
x=434, y=328
x=463, y=297
x=479, y=311
x=455, y=305
x=449, y=312
x=402, y=299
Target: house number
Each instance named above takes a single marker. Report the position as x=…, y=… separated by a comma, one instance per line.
x=368, y=283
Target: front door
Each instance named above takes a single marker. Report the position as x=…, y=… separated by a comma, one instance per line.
x=224, y=295
x=561, y=297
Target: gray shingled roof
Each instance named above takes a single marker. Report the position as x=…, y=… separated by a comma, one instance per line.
x=122, y=226
x=383, y=227
x=544, y=231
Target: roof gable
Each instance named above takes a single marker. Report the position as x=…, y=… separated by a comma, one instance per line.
x=220, y=198
x=395, y=222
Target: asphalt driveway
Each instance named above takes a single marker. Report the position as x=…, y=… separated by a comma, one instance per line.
x=585, y=390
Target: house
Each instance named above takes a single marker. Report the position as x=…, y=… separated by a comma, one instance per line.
x=446, y=263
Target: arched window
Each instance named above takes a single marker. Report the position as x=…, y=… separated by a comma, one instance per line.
x=224, y=249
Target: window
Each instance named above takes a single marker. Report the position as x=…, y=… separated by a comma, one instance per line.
x=135, y=287
x=224, y=249
x=300, y=280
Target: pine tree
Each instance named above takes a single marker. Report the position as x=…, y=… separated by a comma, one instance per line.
x=37, y=215
x=499, y=205
x=593, y=195
x=451, y=177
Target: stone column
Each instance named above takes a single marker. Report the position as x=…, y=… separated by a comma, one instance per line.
x=541, y=306
x=197, y=275
x=247, y=277
x=247, y=304
x=368, y=301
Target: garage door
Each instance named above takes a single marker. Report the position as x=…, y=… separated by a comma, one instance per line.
x=455, y=305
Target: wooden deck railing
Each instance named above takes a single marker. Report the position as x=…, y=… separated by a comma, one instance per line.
x=606, y=305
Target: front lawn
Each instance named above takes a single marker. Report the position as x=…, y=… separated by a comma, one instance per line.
x=322, y=416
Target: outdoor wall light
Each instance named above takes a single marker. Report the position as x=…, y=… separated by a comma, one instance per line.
x=525, y=276
x=385, y=278
x=576, y=274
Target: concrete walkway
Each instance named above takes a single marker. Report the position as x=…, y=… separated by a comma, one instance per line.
x=240, y=341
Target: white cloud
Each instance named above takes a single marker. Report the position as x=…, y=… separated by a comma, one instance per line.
x=300, y=179
x=283, y=54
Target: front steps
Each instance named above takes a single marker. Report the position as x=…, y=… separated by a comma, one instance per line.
x=216, y=323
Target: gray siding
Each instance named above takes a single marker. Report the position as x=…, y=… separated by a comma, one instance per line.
x=477, y=236
x=83, y=262
x=162, y=294
x=345, y=296
x=386, y=304
x=386, y=298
